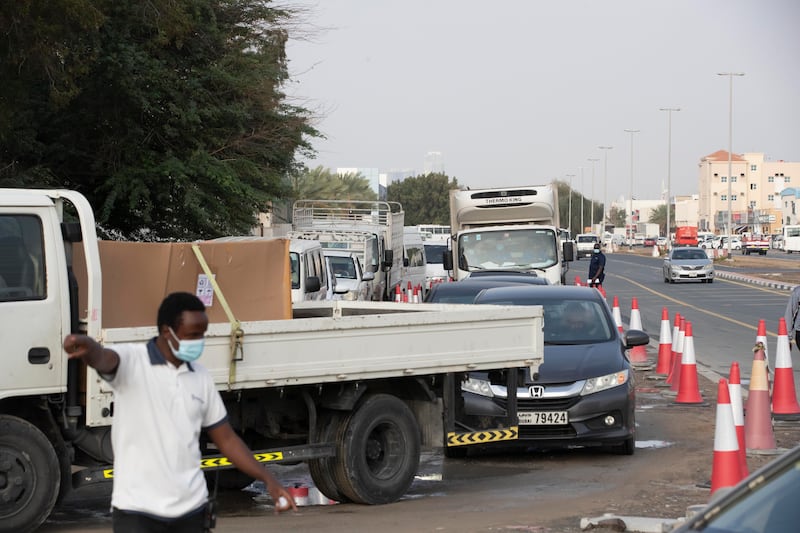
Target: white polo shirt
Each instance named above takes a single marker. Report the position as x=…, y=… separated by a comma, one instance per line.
x=159, y=411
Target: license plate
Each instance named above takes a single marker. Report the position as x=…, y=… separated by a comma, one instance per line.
x=543, y=418
x=692, y=274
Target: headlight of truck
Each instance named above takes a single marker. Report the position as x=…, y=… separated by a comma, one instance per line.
x=481, y=387
x=602, y=383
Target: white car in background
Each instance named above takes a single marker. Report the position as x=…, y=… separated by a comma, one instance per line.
x=348, y=281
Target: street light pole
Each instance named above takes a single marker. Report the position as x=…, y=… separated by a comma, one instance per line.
x=730, y=150
x=583, y=226
x=569, y=220
x=591, y=216
x=669, y=111
x=630, y=242
x=605, y=150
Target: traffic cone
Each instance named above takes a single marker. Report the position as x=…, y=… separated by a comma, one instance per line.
x=638, y=354
x=757, y=422
x=735, y=389
x=655, y=251
x=398, y=296
x=675, y=330
x=617, y=316
x=689, y=388
x=725, y=470
x=678, y=362
x=761, y=336
x=664, y=344
x=784, y=397
x=578, y=281
x=602, y=291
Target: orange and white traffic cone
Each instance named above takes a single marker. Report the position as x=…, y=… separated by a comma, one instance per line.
x=675, y=330
x=784, y=397
x=725, y=470
x=758, y=432
x=678, y=363
x=664, y=345
x=617, y=316
x=638, y=354
x=398, y=295
x=761, y=336
x=578, y=281
x=602, y=291
x=735, y=389
x=689, y=388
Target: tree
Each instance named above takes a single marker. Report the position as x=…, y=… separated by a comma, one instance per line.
x=616, y=217
x=323, y=184
x=425, y=198
x=659, y=216
x=169, y=116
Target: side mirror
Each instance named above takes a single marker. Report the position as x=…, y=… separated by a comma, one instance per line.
x=447, y=261
x=635, y=337
x=568, y=251
x=367, y=276
x=405, y=261
x=312, y=284
x=388, y=259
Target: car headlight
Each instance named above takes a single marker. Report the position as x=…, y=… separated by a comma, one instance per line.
x=602, y=383
x=481, y=387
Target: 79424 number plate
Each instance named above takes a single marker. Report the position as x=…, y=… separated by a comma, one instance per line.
x=543, y=418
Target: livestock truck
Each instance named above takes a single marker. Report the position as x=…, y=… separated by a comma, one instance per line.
x=383, y=220
x=386, y=376
x=512, y=229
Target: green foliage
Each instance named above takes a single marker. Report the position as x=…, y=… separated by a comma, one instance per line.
x=169, y=116
x=425, y=198
x=659, y=216
x=323, y=184
x=617, y=218
x=578, y=202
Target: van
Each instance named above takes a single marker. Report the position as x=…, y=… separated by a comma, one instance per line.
x=309, y=271
x=347, y=278
x=585, y=243
x=414, y=261
x=686, y=236
x=434, y=263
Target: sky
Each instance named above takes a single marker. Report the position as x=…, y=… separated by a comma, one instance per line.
x=520, y=92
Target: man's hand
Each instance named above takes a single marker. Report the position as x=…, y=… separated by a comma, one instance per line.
x=86, y=348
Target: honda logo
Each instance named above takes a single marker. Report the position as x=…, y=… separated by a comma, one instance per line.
x=537, y=391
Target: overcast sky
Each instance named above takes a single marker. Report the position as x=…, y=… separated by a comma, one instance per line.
x=524, y=92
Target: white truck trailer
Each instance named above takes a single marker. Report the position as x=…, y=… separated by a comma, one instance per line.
x=353, y=388
x=508, y=229
x=383, y=220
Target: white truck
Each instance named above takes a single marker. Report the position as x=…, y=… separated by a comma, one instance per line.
x=353, y=388
x=382, y=220
x=508, y=229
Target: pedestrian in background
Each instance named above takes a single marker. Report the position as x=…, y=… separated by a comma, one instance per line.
x=163, y=399
x=597, y=267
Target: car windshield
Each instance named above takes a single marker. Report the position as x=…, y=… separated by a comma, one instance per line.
x=569, y=321
x=689, y=254
x=517, y=249
x=434, y=253
x=342, y=267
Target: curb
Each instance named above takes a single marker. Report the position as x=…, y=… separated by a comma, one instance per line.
x=753, y=280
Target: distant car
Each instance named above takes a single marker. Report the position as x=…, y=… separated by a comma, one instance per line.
x=777, y=242
x=584, y=392
x=585, y=244
x=434, y=265
x=722, y=242
x=661, y=241
x=764, y=502
x=688, y=263
x=465, y=291
x=649, y=241
x=349, y=281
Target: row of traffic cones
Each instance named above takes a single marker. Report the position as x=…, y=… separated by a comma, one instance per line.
x=409, y=294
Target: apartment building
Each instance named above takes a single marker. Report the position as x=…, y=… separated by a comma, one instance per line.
x=755, y=186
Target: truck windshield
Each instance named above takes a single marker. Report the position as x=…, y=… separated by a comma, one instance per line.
x=522, y=249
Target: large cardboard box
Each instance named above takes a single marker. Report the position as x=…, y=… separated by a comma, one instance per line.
x=253, y=275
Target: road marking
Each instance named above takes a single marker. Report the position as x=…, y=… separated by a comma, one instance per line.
x=699, y=309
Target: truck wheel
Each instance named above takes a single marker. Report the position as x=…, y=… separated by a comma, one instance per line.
x=378, y=452
x=321, y=470
x=30, y=476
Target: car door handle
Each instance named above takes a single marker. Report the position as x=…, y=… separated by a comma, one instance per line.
x=38, y=356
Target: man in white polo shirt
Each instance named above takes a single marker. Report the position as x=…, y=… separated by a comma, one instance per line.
x=162, y=401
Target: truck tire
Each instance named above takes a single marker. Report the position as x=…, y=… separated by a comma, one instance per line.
x=321, y=470
x=30, y=476
x=377, y=451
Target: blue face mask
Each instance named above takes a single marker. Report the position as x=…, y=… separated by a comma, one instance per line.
x=597, y=250
x=188, y=350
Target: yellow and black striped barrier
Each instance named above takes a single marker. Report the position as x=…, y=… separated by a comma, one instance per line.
x=482, y=437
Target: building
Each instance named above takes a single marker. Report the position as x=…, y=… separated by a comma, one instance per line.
x=755, y=192
x=434, y=163
x=789, y=204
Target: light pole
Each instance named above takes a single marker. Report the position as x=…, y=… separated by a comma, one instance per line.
x=583, y=226
x=730, y=151
x=591, y=216
x=669, y=111
x=569, y=220
x=605, y=150
x=630, y=242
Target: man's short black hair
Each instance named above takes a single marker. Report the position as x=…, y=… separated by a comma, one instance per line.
x=170, y=310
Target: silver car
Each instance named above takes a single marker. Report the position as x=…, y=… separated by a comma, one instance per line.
x=689, y=263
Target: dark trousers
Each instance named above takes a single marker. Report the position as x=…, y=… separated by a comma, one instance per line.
x=797, y=339
x=127, y=522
